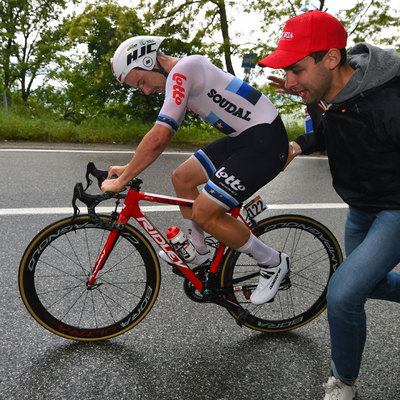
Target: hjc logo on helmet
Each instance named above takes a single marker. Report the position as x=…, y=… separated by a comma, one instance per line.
x=138, y=53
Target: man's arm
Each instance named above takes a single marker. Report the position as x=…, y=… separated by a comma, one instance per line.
x=151, y=146
x=306, y=143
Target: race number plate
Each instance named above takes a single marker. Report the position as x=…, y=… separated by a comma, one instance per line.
x=255, y=207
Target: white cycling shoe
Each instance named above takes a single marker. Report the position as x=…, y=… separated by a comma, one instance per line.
x=270, y=280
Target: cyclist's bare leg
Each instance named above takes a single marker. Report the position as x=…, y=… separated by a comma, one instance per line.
x=212, y=217
x=186, y=178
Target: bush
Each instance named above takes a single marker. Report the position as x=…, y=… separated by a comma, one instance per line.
x=22, y=125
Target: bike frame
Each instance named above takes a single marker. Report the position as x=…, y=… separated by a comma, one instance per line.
x=131, y=209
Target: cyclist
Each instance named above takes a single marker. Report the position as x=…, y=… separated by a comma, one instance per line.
x=360, y=131
x=252, y=153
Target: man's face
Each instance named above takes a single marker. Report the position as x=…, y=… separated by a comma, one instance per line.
x=148, y=81
x=312, y=81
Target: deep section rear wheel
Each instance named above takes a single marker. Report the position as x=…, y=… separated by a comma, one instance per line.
x=315, y=254
x=55, y=268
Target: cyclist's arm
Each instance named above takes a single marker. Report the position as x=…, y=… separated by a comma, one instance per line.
x=151, y=146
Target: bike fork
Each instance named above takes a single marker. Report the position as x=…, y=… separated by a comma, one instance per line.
x=101, y=260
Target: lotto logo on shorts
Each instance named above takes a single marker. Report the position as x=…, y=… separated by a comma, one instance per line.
x=230, y=180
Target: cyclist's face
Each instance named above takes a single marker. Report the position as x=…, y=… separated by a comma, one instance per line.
x=148, y=81
x=312, y=81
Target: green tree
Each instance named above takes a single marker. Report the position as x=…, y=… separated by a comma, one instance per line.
x=195, y=21
x=85, y=83
x=88, y=87
x=30, y=41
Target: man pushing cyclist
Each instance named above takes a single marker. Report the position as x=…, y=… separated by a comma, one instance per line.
x=252, y=153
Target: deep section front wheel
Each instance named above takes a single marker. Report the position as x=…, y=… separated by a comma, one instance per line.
x=315, y=254
x=54, y=271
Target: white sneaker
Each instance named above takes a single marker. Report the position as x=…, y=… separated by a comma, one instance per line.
x=199, y=259
x=335, y=389
x=269, y=281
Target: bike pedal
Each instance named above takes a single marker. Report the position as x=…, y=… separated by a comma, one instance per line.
x=242, y=316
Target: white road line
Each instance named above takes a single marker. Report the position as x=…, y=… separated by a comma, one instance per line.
x=87, y=151
x=162, y=208
x=183, y=153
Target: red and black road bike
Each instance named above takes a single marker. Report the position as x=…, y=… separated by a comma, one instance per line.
x=95, y=276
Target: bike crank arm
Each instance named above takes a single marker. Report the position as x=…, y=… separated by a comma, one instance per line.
x=241, y=314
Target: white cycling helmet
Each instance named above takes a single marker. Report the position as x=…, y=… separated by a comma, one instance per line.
x=139, y=52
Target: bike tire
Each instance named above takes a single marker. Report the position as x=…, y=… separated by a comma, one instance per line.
x=55, y=268
x=315, y=254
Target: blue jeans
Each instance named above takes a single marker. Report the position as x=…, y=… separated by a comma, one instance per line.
x=372, y=244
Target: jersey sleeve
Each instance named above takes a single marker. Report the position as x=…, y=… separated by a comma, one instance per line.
x=178, y=88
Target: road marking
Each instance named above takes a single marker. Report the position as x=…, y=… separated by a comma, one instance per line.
x=88, y=151
x=160, y=208
x=163, y=208
x=122, y=152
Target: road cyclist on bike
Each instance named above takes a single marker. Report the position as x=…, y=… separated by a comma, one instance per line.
x=252, y=153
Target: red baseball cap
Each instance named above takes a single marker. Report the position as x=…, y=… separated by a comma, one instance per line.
x=312, y=31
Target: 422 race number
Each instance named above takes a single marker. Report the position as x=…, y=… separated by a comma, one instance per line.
x=255, y=207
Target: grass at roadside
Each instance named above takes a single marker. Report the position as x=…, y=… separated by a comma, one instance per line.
x=23, y=127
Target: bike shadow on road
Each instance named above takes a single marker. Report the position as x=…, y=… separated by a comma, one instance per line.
x=267, y=366
x=77, y=370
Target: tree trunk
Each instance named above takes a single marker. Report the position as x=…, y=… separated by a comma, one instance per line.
x=225, y=36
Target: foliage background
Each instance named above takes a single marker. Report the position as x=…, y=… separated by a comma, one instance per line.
x=55, y=71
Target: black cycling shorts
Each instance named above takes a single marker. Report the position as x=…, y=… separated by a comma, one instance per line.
x=238, y=166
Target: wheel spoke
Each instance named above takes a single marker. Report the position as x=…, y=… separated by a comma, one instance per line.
x=55, y=271
x=314, y=254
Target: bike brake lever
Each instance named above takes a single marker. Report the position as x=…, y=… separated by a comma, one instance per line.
x=99, y=174
x=90, y=200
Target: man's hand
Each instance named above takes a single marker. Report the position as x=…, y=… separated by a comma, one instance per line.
x=116, y=184
x=116, y=170
x=279, y=84
x=113, y=185
x=294, y=150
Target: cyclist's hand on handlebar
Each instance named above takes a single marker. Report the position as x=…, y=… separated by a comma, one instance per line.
x=113, y=185
x=116, y=170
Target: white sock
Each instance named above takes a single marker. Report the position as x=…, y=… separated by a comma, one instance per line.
x=263, y=254
x=196, y=236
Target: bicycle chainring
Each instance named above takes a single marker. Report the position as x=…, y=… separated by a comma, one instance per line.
x=190, y=290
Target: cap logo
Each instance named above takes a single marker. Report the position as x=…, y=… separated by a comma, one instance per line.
x=287, y=35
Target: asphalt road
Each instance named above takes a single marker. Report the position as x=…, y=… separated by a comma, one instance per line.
x=182, y=350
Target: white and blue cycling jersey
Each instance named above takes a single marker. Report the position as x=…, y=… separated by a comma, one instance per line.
x=254, y=149
x=219, y=98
